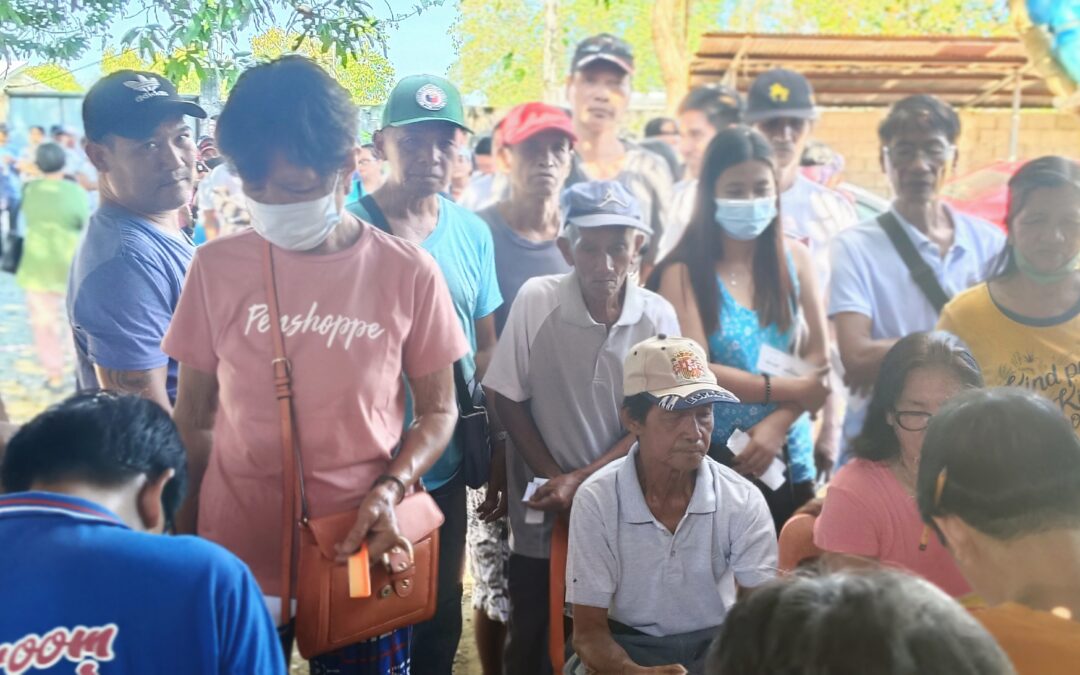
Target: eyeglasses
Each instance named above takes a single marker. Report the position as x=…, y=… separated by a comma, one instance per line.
x=924, y=540
x=912, y=420
x=905, y=153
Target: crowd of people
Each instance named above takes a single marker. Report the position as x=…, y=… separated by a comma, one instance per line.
x=676, y=342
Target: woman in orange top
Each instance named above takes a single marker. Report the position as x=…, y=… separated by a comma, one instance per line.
x=999, y=481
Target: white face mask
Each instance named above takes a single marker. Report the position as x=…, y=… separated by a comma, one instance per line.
x=296, y=227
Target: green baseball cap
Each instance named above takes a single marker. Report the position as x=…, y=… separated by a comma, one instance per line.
x=424, y=98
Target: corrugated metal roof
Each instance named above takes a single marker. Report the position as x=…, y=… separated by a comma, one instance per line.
x=853, y=71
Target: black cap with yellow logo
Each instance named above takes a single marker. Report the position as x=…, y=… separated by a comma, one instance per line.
x=780, y=93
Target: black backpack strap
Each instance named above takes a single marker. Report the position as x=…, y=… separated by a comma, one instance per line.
x=375, y=214
x=921, y=272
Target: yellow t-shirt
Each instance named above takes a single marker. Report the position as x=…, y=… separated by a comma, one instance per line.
x=1038, y=643
x=1015, y=351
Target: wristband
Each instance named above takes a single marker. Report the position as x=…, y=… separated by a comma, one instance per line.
x=768, y=388
x=387, y=478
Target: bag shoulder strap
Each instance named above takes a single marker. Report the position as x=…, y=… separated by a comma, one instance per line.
x=922, y=274
x=375, y=214
x=291, y=467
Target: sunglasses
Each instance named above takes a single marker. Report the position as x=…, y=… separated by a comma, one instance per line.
x=942, y=476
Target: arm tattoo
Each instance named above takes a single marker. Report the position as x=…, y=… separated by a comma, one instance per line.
x=128, y=381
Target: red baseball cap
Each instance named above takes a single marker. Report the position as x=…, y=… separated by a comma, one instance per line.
x=528, y=119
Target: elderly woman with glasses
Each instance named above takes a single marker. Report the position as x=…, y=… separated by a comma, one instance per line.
x=870, y=510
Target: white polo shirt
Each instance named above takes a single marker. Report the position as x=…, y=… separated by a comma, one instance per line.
x=622, y=558
x=870, y=278
x=814, y=214
x=570, y=369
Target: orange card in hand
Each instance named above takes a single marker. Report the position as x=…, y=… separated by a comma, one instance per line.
x=359, y=574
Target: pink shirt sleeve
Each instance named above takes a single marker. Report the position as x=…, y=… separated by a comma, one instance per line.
x=435, y=338
x=190, y=338
x=846, y=524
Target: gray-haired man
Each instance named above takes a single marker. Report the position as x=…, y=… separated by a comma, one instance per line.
x=556, y=379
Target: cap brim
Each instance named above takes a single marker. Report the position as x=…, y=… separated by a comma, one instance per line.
x=608, y=220
x=189, y=108
x=417, y=120
x=150, y=117
x=693, y=395
x=610, y=58
x=532, y=131
x=799, y=114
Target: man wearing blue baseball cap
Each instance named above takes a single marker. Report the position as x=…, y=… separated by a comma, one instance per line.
x=421, y=134
x=556, y=380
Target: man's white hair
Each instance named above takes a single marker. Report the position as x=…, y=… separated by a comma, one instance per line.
x=572, y=233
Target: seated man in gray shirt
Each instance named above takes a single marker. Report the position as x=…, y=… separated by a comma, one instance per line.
x=660, y=539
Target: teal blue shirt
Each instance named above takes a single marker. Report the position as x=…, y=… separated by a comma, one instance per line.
x=461, y=245
x=356, y=192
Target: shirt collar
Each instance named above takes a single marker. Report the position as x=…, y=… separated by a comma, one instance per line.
x=51, y=503
x=632, y=499
x=961, y=236
x=119, y=212
x=570, y=297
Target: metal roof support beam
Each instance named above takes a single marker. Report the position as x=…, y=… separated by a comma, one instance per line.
x=1017, y=76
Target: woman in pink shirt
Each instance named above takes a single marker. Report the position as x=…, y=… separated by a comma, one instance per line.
x=870, y=508
x=363, y=315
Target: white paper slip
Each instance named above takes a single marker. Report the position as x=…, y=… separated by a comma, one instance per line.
x=773, y=477
x=772, y=361
x=533, y=516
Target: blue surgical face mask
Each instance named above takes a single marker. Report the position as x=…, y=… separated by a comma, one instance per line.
x=745, y=219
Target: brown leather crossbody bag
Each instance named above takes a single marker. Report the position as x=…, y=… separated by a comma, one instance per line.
x=403, y=582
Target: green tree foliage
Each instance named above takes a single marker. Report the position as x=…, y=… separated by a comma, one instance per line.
x=200, y=36
x=53, y=76
x=499, y=41
x=368, y=76
x=895, y=17
x=128, y=59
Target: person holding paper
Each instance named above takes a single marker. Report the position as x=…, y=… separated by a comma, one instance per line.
x=739, y=286
x=556, y=381
x=870, y=509
x=660, y=539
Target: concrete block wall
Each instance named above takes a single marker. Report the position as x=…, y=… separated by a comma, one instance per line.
x=984, y=139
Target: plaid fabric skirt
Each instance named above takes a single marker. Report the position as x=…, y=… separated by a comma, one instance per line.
x=385, y=655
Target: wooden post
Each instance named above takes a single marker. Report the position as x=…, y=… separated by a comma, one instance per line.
x=1014, y=128
x=553, y=91
x=672, y=46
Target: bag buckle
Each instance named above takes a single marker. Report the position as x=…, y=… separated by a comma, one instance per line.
x=285, y=361
x=404, y=543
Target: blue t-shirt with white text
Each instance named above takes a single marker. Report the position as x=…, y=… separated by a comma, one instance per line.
x=86, y=595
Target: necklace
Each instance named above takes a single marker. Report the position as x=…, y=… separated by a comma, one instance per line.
x=733, y=277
